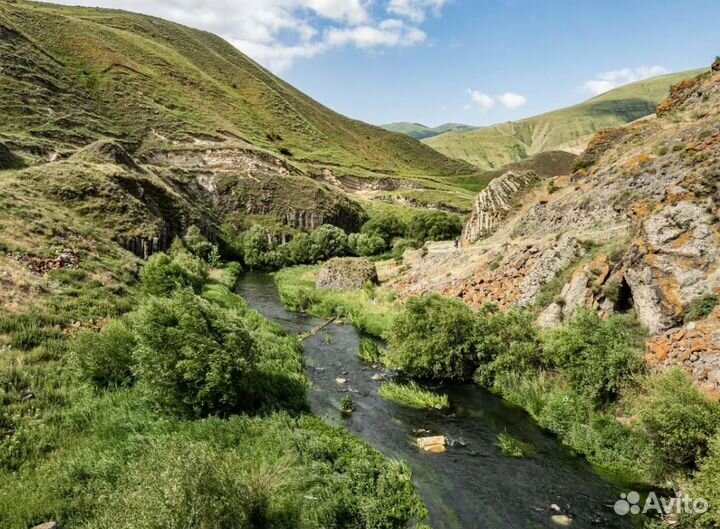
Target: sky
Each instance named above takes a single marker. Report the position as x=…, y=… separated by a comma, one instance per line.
x=466, y=61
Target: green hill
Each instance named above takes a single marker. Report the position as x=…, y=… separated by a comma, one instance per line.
x=420, y=131
x=566, y=129
x=71, y=76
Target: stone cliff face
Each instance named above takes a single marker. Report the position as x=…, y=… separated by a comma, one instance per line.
x=636, y=228
x=495, y=202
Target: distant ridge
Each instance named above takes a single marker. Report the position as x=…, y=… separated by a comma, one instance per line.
x=421, y=132
x=566, y=129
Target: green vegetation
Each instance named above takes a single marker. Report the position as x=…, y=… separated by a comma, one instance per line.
x=432, y=337
x=513, y=447
x=370, y=310
x=346, y=405
x=368, y=351
x=499, y=145
x=701, y=308
x=413, y=396
x=579, y=380
x=118, y=418
x=678, y=419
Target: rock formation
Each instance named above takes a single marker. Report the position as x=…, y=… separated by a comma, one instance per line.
x=494, y=203
x=346, y=273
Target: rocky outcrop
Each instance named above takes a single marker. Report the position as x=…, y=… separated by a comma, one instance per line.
x=694, y=347
x=106, y=151
x=716, y=65
x=495, y=202
x=8, y=160
x=346, y=273
x=679, y=94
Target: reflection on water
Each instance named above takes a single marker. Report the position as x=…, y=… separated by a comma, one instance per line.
x=472, y=485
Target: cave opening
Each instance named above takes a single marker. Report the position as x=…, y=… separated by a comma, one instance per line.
x=625, y=300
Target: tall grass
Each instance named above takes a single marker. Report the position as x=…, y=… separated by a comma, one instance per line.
x=413, y=396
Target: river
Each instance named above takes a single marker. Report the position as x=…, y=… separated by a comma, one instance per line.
x=467, y=487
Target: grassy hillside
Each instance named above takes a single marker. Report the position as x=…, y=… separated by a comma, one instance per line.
x=85, y=73
x=566, y=129
x=420, y=131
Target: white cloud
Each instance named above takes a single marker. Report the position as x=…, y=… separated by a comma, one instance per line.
x=386, y=33
x=480, y=99
x=608, y=80
x=277, y=33
x=415, y=10
x=512, y=100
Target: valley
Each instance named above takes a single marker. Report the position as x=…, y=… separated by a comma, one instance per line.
x=224, y=305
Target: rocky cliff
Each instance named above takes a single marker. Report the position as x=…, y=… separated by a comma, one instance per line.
x=635, y=228
x=494, y=203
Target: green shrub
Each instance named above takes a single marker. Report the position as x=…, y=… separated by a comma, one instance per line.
x=678, y=419
x=163, y=274
x=413, y=396
x=106, y=358
x=400, y=246
x=563, y=409
x=597, y=357
x=256, y=243
x=326, y=242
x=346, y=404
x=701, y=307
x=433, y=338
x=434, y=226
x=194, y=358
x=505, y=342
x=367, y=244
x=512, y=447
x=706, y=484
x=369, y=351
x=387, y=226
x=198, y=245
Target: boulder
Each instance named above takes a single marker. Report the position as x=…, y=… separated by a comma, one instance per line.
x=347, y=273
x=47, y=525
x=716, y=65
x=434, y=444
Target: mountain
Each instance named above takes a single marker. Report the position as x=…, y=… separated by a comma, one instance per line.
x=210, y=127
x=420, y=131
x=566, y=129
x=633, y=227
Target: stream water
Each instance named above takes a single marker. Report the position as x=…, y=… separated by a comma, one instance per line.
x=467, y=487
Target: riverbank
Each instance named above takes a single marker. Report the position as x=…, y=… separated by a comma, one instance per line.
x=143, y=419
x=656, y=431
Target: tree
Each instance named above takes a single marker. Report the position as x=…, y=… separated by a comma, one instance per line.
x=365, y=245
x=256, y=244
x=434, y=226
x=162, y=274
x=433, y=338
x=388, y=226
x=328, y=241
x=194, y=358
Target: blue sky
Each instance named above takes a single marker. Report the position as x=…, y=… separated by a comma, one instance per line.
x=437, y=61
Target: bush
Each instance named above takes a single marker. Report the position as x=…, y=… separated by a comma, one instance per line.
x=106, y=358
x=678, y=419
x=505, y=342
x=434, y=226
x=706, y=484
x=198, y=245
x=597, y=357
x=369, y=351
x=433, y=338
x=256, y=243
x=163, y=274
x=365, y=245
x=400, y=246
x=327, y=242
x=194, y=358
x=299, y=249
x=701, y=307
x=387, y=226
